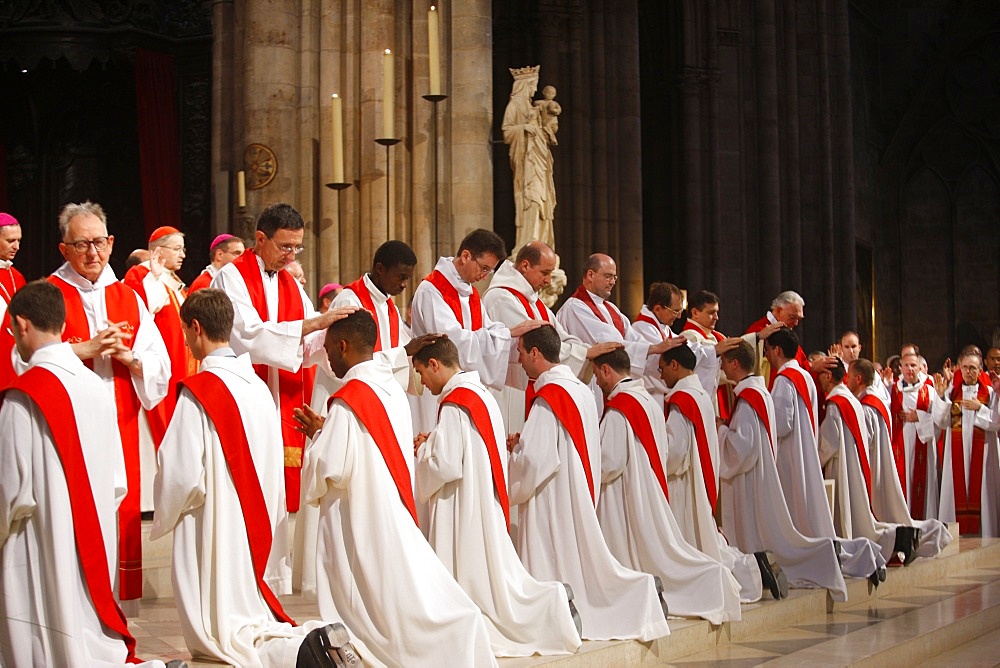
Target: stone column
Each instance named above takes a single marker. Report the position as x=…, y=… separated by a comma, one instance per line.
x=223, y=168
x=768, y=213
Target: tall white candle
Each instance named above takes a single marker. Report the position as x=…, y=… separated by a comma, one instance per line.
x=241, y=188
x=434, y=51
x=338, y=138
x=388, y=96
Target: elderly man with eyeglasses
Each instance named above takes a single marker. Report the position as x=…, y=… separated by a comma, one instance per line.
x=590, y=316
x=111, y=330
x=275, y=323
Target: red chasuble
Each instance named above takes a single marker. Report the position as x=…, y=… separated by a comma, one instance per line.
x=11, y=281
x=220, y=406
x=122, y=305
x=968, y=494
x=919, y=494
x=850, y=418
x=360, y=289
x=168, y=321
x=48, y=393
x=633, y=411
x=203, y=281
x=371, y=413
x=688, y=407
x=565, y=410
x=800, y=355
x=294, y=387
x=755, y=400
x=479, y=415
x=616, y=319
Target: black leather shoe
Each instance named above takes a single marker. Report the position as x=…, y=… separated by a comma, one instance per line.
x=327, y=647
x=572, y=609
x=771, y=575
x=659, y=593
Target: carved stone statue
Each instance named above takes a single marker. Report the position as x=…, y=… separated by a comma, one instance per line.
x=529, y=128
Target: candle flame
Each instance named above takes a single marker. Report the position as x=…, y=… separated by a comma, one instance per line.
x=335, y=95
x=433, y=8
x=387, y=52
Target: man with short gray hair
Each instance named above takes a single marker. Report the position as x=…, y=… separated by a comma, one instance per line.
x=787, y=310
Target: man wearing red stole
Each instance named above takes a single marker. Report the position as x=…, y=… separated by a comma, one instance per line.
x=700, y=330
x=62, y=475
x=590, y=316
x=112, y=332
x=787, y=310
x=11, y=281
x=970, y=480
x=162, y=291
x=276, y=324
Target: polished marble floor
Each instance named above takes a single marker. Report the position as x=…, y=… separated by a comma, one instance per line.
x=925, y=618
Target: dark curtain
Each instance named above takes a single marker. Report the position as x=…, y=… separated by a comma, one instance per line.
x=159, y=146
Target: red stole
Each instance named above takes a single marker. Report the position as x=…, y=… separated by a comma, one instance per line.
x=360, y=289
x=566, y=411
x=294, y=387
x=919, y=478
x=479, y=414
x=755, y=400
x=689, y=408
x=371, y=413
x=122, y=304
x=874, y=402
x=635, y=414
x=802, y=389
x=850, y=418
x=723, y=393
x=642, y=317
x=168, y=321
x=616, y=318
x=203, y=281
x=221, y=408
x=48, y=393
x=534, y=312
x=454, y=301
x=968, y=494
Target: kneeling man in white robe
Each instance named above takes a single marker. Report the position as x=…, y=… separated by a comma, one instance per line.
x=220, y=489
x=887, y=498
x=462, y=474
x=754, y=514
x=62, y=476
x=843, y=451
x=375, y=569
x=634, y=510
x=692, y=462
x=554, y=465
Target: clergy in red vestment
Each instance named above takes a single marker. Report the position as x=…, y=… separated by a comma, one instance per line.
x=275, y=322
x=224, y=249
x=11, y=281
x=62, y=475
x=162, y=290
x=787, y=310
x=700, y=330
x=970, y=479
x=111, y=330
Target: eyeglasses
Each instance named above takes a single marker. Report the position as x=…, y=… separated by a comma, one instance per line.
x=100, y=245
x=176, y=249
x=611, y=277
x=676, y=311
x=484, y=268
x=288, y=250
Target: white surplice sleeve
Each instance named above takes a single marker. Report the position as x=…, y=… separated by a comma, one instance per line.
x=180, y=483
x=535, y=458
x=152, y=352
x=739, y=448
x=18, y=420
x=680, y=436
x=614, y=446
x=330, y=459
x=440, y=457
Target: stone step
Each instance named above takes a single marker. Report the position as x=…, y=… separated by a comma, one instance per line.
x=802, y=606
